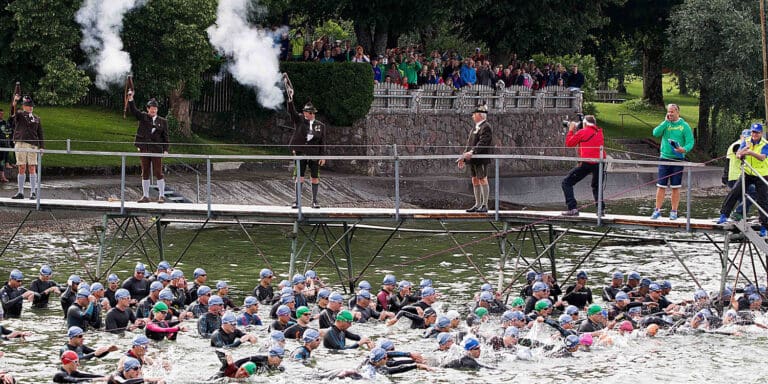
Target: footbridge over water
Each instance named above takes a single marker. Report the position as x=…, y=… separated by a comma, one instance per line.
x=524, y=237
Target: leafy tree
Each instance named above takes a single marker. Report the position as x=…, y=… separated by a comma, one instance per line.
x=170, y=51
x=644, y=22
x=44, y=41
x=716, y=44
x=63, y=83
x=528, y=27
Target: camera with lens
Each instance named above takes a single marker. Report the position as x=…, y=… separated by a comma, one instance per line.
x=579, y=121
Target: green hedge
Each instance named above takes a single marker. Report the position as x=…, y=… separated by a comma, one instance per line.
x=342, y=92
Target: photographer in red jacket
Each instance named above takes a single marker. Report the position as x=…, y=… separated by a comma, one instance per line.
x=590, y=140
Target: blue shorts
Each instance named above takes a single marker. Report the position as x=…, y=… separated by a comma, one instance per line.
x=670, y=175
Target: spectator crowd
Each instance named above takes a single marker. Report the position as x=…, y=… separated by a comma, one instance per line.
x=412, y=67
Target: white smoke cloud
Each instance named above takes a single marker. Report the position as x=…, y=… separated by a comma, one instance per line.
x=253, y=54
x=101, y=22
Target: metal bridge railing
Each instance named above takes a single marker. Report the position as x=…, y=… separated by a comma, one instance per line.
x=393, y=157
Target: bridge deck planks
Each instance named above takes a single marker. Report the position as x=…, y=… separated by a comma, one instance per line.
x=285, y=213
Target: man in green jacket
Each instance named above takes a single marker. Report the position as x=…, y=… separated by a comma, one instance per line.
x=411, y=69
x=676, y=140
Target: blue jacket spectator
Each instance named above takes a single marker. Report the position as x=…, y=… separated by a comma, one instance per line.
x=468, y=75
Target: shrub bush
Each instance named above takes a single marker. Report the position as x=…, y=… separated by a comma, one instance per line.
x=342, y=92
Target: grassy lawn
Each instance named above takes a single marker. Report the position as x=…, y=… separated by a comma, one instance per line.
x=98, y=129
x=639, y=124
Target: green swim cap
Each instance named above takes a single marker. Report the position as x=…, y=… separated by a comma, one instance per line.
x=159, y=307
x=250, y=367
x=594, y=309
x=518, y=302
x=480, y=311
x=542, y=304
x=301, y=311
x=345, y=316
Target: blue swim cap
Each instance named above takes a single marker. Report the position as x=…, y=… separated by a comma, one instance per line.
x=487, y=287
x=97, y=287
x=166, y=294
x=283, y=310
x=276, y=350
x=140, y=340
x=443, y=337
x=16, y=275
x=573, y=310
x=277, y=335
x=389, y=280
x=530, y=276
x=199, y=272
x=215, y=300
x=164, y=265
x=633, y=275
x=229, y=318
x=74, y=331
x=155, y=286
x=386, y=344
x=364, y=285
x=404, y=284
x=364, y=294
x=140, y=267
x=203, y=290
x=310, y=335
x=112, y=278
x=486, y=296
x=428, y=291
x=130, y=363
x=266, y=272
x=250, y=300
x=471, y=343
x=618, y=275
x=122, y=293
x=621, y=296
x=377, y=354
x=310, y=274
x=176, y=274
x=323, y=293
x=443, y=322
x=162, y=276
x=75, y=279
x=221, y=284
x=572, y=341
x=512, y=332
x=425, y=283
x=564, y=319
x=46, y=270
x=336, y=297
x=539, y=287
x=299, y=278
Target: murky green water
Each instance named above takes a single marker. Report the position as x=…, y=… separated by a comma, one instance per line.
x=227, y=254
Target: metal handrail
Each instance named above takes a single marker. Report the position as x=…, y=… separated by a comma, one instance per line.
x=394, y=158
x=197, y=177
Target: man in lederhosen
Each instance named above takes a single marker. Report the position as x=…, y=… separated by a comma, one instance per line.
x=479, y=143
x=28, y=134
x=308, y=140
x=151, y=137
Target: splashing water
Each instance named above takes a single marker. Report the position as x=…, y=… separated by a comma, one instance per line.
x=101, y=23
x=253, y=54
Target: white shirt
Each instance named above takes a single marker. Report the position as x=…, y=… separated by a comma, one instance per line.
x=477, y=126
x=310, y=133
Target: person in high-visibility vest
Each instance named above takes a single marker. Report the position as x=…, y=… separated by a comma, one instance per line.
x=753, y=152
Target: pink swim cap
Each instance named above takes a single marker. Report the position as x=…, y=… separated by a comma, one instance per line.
x=626, y=325
x=586, y=339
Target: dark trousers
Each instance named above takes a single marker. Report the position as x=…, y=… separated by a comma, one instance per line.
x=734, y=196
x=577, y=174
x=157, y=167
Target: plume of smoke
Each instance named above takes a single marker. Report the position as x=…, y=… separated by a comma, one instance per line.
x=101, y=22
x=253, y=54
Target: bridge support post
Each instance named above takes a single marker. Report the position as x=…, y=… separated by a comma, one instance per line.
x=503, y=261
x=102, y=243
x=348, y=252
x=160, y=249
x=294, y=248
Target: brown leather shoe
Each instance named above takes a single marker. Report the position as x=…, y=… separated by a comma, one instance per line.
x=143, y=199
x=160, y=200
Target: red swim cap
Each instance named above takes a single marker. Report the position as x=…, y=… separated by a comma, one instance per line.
x=68, y=357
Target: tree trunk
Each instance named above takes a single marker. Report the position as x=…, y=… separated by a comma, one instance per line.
x=652, y=61
x=702, y=129
x=365, y=38
x=682, y=83
x=179, y=109
x=621, y=87
x=380, y=36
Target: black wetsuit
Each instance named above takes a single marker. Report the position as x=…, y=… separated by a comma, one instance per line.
x=12, y=300
x=110, y=295
x=192, y=293
x=278, y=326
x=265, y=295
x=157, y=335
x=198, y=309
x=119, y=378
x=117, y=320
x=327, y=318
x=590, y=326
x=79, y=316
x=417, y=322
x=144, y=309
x=39, y=286
x=221, y=339
x=179, y=297
x=609, y=293
x=139, y=289
x=67, y=299
x=207, y=324
x=84, y=352
x=397, y=302
x=335, y=338
x=229, y=370
x=365, y=313
x=295, y=331
x=579, y=298
x=465, y=362
x=63, y=376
